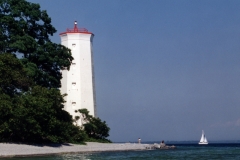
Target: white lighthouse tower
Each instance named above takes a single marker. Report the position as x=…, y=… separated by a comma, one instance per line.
x=78, y=82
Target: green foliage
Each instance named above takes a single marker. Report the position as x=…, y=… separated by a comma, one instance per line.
x=31, y=106
x=13, y=76
x=35, y=114
x=25, y=31
x=94, y=127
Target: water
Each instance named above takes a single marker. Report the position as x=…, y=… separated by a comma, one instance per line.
x=183, y=152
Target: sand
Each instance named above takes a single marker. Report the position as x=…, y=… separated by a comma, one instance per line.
x=20, y=150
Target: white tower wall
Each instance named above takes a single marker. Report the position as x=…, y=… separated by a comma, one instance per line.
x=78, y=82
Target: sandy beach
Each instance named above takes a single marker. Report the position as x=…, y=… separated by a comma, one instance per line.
x=19, y=150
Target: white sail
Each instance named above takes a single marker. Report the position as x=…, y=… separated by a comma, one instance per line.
x=203, y=139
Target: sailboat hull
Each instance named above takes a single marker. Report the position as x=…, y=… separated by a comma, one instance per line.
x=203, y=143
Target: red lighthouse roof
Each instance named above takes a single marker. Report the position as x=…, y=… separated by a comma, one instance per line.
x=76, y=30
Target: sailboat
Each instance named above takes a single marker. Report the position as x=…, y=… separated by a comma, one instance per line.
x=203, y=139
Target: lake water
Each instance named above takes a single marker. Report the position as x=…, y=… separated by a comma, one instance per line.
x=217, y=151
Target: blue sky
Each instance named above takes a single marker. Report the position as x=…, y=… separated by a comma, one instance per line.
x=164, y=70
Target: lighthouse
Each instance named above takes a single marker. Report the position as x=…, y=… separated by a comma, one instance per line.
x=78, y=81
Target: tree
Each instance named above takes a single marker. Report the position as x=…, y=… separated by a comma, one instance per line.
x=94, y=127
x=13, y=76
x=32, y=114
x=31, y=106
x=25, y=31
x=38, y=116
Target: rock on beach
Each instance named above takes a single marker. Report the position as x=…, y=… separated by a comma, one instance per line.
x=20, y=150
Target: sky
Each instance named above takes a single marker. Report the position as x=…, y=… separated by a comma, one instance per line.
x=164, y=70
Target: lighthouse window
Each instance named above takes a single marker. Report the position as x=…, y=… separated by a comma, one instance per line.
x=74, y=85
x=74, y=65
x=74, y=105
x=73, y=46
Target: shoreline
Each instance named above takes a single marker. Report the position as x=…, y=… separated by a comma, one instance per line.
x=26, y=150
